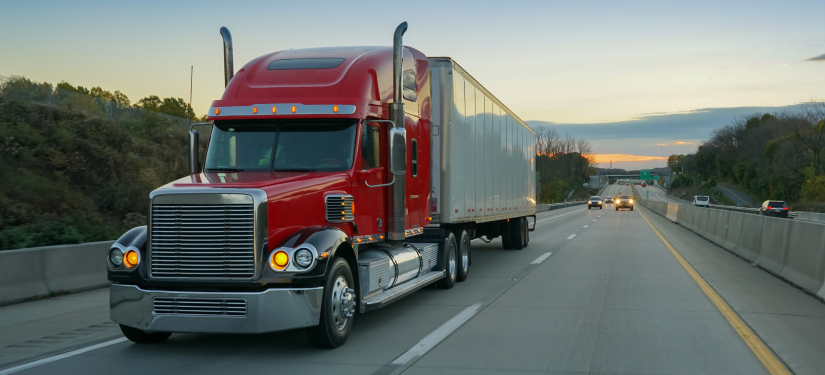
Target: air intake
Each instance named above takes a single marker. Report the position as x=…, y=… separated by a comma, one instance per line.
x=340, y=208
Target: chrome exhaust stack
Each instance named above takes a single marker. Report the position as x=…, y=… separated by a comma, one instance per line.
x=397, y=197
x=228, y=65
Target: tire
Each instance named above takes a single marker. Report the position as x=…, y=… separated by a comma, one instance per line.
x=450, y=264
x=526, y=232
x=631, y=208
x=463, y=260
x=339, y=297
x=517, y=233
x=600, y=207
x=504, y=228
x=142, y=337
x=588, y=207
x=617, y=208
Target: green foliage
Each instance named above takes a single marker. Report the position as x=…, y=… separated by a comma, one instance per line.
x=770, y=156
x=69, y=176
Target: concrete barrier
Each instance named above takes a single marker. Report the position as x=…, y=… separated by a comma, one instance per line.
x=43, y=271
x=805, y=258
x=773, y=245
x=750, y=237
x=672, y=212
x=733, y=235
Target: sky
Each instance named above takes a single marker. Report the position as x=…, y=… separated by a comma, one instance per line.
x=664, y=71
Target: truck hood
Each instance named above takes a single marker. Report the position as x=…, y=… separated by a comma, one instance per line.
x=255, y=179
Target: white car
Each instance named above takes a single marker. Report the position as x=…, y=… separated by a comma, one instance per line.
x=701, y=201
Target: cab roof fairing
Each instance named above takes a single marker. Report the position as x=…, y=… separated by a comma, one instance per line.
x=365, y=77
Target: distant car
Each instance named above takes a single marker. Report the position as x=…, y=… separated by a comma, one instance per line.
x=594, y=201
x=701, y=201
x=773, y=208
x=623, y=201
x=608, y=200
x=644, y=184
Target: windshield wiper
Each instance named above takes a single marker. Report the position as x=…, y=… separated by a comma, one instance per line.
x=224, y=170
x=294, y=170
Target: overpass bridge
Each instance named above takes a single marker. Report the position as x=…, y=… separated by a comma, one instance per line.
x=595, y=292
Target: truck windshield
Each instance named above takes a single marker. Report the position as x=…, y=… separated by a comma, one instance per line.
x=319, y=145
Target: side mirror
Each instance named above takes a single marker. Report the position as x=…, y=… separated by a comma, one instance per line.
x=398, y=151
x=194, y=158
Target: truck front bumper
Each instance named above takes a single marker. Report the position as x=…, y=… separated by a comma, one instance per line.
x=208, y=312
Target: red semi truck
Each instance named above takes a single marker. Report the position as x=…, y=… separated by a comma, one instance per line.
x=335, y=180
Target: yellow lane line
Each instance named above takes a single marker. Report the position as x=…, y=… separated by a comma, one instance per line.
x=768, y=359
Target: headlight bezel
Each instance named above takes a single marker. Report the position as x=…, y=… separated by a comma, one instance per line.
x=122, y=251
x=292, y=263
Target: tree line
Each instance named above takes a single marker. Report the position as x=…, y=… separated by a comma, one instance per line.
x=23, y=89
x=563, y=163
x=772, y=156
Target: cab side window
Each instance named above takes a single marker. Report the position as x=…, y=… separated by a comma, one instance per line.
x=370, y=147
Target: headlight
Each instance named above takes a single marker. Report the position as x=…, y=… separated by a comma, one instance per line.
x=278, y=260
x=303, y=258
x=116, y=257
x=631, y=201
x=131, y=259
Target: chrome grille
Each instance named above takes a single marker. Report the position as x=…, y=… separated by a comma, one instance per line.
x=203, y=241
x=339, y=208
x=186, y=306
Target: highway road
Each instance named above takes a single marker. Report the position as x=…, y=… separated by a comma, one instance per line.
x=595, y=292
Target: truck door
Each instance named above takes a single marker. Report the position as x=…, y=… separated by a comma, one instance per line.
x=371, y=202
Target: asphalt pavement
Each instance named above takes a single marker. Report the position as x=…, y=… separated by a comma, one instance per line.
x=595, y=292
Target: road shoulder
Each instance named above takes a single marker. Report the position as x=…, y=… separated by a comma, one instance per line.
x=789, y=321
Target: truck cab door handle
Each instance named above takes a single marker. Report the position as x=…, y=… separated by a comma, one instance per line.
x=380, y=185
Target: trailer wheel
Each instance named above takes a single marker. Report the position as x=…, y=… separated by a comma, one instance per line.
x=337, y=308
x=139, y=336
x=463, y=255
x=526, y=232
x=504, y=228
x=517, y=233
x=450, y=264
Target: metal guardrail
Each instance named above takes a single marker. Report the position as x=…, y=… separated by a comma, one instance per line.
x=541, y=207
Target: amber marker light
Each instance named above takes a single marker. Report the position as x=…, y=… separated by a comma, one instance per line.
x=255, y=110
x=324, y=255
x=294, y=109
x=274, y=109
x=279, y=261
x=217, y=111
x=370, y=238
x=335, y=108
x=131, y=259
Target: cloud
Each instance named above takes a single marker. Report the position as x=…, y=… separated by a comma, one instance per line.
x=677, y=143
x=661, y=144
x=818, y=58
x=696, y=124
x=607, y=158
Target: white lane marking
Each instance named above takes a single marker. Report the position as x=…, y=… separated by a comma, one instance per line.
x=585, y=227
x=435, y=337
x=541, y=258
x=61, y=356
x=595, y=219
x=559, y=216
x=571, y=236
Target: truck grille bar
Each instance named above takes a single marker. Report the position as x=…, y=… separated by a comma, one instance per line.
x=186, y=306
x=203, y=241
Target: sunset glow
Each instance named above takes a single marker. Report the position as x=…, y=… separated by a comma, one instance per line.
x=607, y=158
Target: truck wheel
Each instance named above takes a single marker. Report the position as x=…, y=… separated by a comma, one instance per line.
x=450, y=264
x=517, y=233
x=504, y=228
x=142, y=337
x=631, y=208
x=526, y=232
x=337, y=308
x=463, y=255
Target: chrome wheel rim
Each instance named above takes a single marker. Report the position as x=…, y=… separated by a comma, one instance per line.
x=451, y=262
x=465, y=257
x=342, y=304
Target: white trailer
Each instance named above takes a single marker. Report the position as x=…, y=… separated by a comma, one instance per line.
x=483, y=155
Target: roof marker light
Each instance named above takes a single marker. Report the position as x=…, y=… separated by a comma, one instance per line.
x=274, y=109
x=217, y=111
x=255, y=110
x=335, y=108
x=294, y=109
